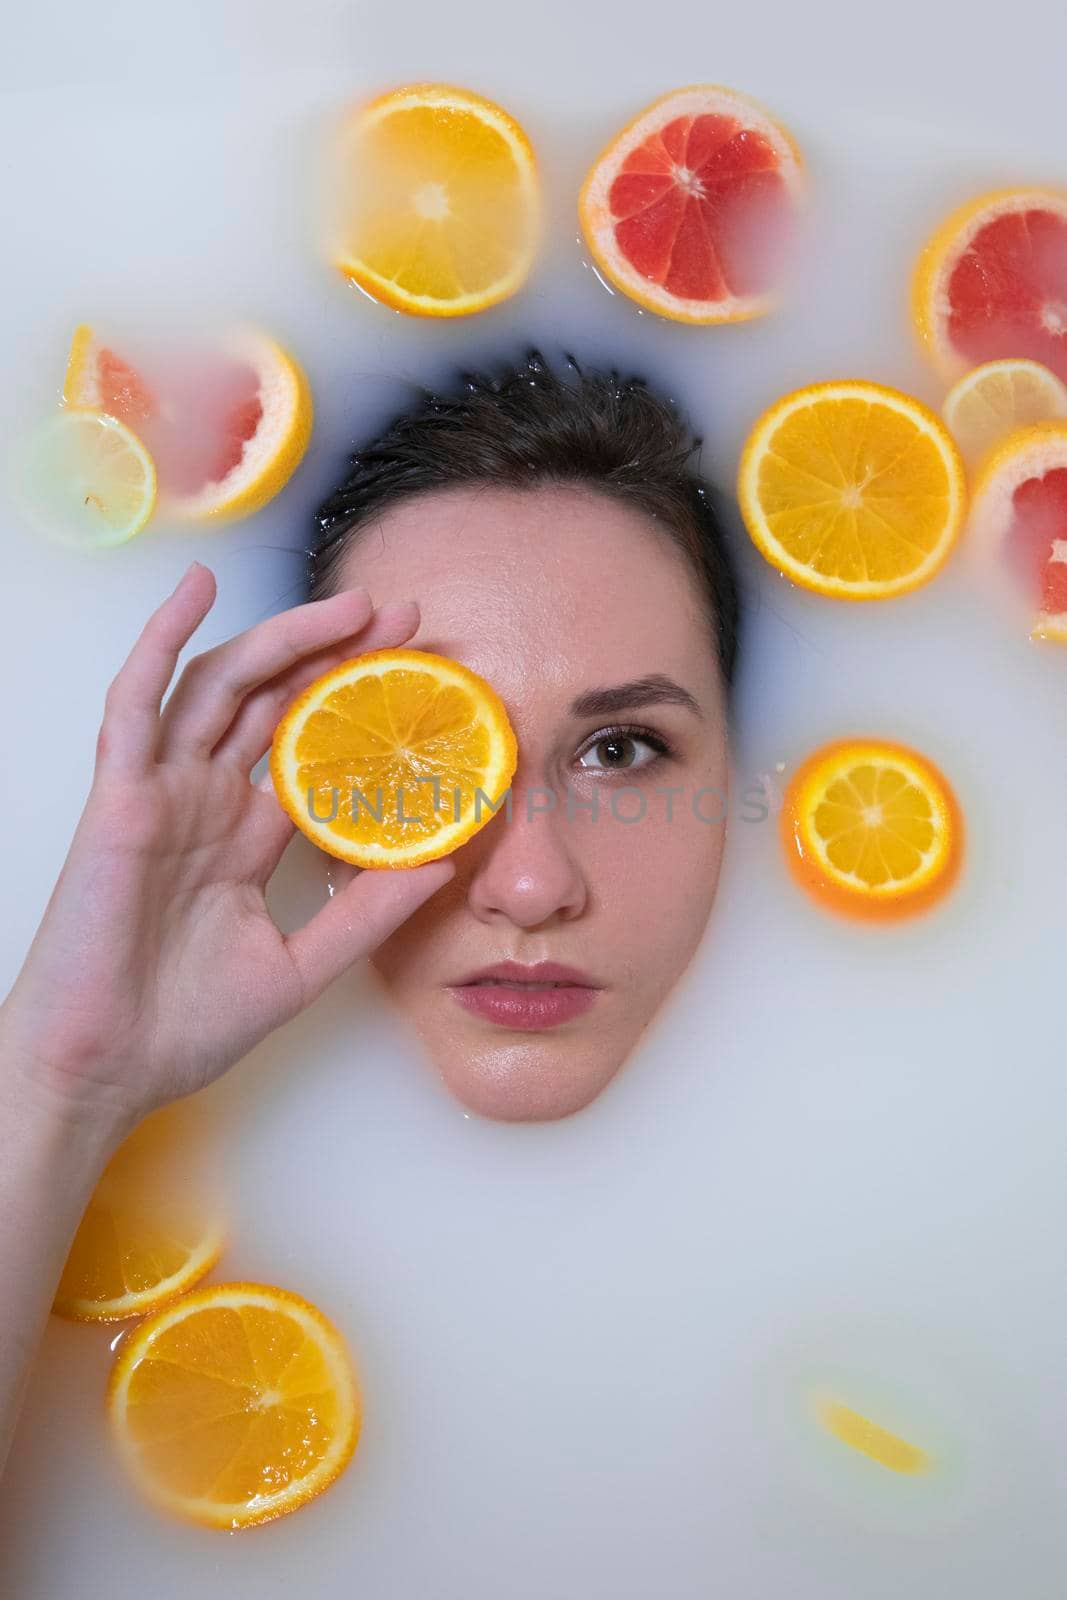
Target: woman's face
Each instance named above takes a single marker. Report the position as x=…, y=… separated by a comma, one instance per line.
x=585, y=619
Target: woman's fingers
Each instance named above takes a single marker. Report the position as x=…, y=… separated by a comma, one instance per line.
x=273, y=828
x=213, y=686
x=356, y=921
x=129, y=734
x=249, y=735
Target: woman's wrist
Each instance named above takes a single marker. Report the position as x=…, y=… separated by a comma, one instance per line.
x=55, y=1100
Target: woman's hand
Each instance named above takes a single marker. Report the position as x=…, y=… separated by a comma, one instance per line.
x=157, y=965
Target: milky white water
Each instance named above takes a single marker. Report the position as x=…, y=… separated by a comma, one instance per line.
x=589, y=1350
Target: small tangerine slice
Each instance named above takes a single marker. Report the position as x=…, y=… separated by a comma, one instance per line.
x=871, y=828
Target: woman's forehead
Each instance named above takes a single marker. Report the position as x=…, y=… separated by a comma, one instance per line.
x=558, y=583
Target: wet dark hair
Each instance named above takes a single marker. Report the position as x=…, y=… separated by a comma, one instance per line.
x=531, y=425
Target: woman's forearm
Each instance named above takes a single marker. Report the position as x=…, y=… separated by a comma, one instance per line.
x=52, y=1152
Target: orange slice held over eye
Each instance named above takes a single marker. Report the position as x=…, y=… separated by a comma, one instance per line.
x=692, y=209
x=235, y=1405
x=872, y=829
x=393, y=758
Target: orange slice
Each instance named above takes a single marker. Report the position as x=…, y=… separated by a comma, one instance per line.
x=872, y=828
x=226, y=433
x=235, y=1405
x=1019, y=520
x=853, y=490
x=691, y=208
x=868, y=1439
x=393, y=758
x=992, y=282
x=439, y=201
x=994, y=399
x=150, y=1231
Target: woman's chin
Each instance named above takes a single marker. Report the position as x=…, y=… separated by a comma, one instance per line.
x=522, y=1081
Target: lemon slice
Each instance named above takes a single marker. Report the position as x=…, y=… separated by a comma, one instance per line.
x=988, y=403
x=89, y=482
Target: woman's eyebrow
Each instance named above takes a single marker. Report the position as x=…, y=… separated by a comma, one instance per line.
x=655, y=689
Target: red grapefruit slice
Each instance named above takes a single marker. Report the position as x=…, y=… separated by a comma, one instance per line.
x=992, y=282
x=691, y=208
x=226, y=429
x=1019, y=515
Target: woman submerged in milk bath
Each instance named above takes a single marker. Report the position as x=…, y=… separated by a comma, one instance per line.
x=554, y=539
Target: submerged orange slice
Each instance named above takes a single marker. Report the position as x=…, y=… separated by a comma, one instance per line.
x=852, y=489
x=150, y=1231
x=691, y=208
x=235, y=1405
x=872, y=828
x=992, y=282
x=871, y=1440
x=1019, y=518
x=393, y=758
x=439, y=201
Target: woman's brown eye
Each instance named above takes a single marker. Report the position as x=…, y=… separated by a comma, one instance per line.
x=617, y=752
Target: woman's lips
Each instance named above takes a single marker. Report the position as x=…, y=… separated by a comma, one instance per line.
x=526, y=997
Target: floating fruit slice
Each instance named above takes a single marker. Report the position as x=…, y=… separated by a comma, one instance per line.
x=853, y=490
x=393, y=758
x=872, y=828
x=227, y=430
x=149, y=1232
x=235, y=1405
x=691, y=208
x=996, y=398
x=88, y=481
x=860, y=1434
x=992, y=282
x=100, y=380
x=440, y=206
x=1019, y=516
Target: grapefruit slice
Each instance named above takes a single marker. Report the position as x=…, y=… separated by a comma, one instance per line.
x=690, y=209
x=992, y=282
x=226, y=430
x=1019, y=517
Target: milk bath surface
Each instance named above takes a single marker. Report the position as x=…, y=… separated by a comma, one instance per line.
x=590, y=1349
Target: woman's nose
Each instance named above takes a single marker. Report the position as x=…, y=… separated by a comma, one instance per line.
x=526, y=867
